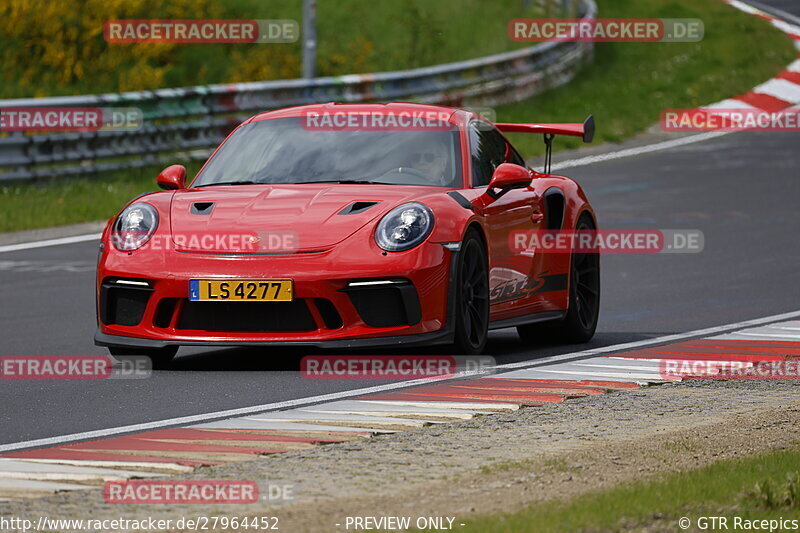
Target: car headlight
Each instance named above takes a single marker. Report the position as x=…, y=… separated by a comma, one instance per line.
x=134, y=227
x=404, y=227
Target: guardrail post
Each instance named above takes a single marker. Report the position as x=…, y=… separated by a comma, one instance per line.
x=190, y=122
x=309, y=39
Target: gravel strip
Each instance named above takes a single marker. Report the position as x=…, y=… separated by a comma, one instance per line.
x=494, y=463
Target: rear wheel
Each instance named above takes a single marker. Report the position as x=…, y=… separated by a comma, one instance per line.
x=160, y=357
x=580, y=323
x=472, y=297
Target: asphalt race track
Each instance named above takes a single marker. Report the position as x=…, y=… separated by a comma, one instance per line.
x=740, y=190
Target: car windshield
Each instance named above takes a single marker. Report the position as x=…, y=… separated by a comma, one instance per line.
x=285, y=150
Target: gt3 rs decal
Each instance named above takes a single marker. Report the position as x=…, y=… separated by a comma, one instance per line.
x=506, y=284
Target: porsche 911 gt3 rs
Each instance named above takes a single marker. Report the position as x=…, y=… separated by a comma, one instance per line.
x=349, y=235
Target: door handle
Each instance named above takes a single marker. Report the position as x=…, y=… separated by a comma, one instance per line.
x=537, y=217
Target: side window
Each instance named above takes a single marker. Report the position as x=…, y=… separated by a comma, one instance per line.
x=514, y=157
x=488, y=151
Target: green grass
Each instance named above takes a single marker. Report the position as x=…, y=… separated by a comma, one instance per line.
x=370, y=36
x=390, y=34
x=629, y=84
x=626, y=86
x=70, y=201
x=766, y=486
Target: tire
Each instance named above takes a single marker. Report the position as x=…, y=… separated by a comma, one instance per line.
x=472, y=296
x=159, y=357
x=580, y=323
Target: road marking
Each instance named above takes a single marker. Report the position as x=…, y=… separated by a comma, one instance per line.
x=783, y=89
x=535, y=364
x=632, y=376
x=22, y=469
x=730, y=103
x=22, y=487
x=468, y=406
x=778, y=88
x=164, y=468
x=777, y=336
x=785, y=27
x=650, y=342
x=746, y=7
x=49, y=242
x=639, y=150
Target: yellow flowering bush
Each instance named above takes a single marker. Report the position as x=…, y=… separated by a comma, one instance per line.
x=54, y=44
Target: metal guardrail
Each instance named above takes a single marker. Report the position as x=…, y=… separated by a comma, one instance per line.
x=186, y=123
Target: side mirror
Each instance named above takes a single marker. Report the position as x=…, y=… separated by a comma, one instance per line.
x=508, y=175
x=172, y=177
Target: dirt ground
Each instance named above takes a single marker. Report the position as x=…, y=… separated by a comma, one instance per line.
x=496, y=463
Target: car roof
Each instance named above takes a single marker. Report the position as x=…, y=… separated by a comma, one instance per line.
x=454, y=115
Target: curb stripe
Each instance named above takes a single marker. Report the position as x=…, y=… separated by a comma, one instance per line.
x=788, y=75
x=64, y=454
x=236, y=439
x=766, y=102
x=781, y=89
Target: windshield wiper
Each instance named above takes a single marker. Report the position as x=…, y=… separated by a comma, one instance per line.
x=341, y=181
x=250, y=182
x=241, y=182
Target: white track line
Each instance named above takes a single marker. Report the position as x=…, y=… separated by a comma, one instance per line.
x=391, y=386
x=49, y=242
x=783, y=89
x=231, y=413
x=639, y=150
x=571, y=163
x=730, y=103
x=649, y=342
x=786, y=90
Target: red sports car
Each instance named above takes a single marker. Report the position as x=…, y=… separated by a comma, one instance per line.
x=349, y=226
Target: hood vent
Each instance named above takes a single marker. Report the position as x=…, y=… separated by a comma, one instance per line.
x=356, y=207
x=202, y=208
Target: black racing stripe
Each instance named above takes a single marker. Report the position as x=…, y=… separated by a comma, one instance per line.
x=462, y=201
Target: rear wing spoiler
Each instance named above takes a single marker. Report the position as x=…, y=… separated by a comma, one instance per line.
x=585, y=131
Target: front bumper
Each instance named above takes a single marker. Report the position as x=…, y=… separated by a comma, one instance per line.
x=322, y=276
x=444, y=336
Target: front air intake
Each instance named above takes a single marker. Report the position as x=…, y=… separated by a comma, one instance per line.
x=247, y=316
x=385, y=303
x=123, y=302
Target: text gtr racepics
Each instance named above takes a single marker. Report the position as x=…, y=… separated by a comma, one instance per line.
x=346, y=226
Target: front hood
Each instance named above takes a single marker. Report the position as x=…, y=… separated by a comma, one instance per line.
x=277, y=218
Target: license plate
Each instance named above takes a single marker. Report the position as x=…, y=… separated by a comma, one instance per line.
x=240, y=290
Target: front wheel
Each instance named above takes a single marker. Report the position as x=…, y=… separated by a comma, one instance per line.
x=472, y=297
x=159, y=357
x=580, y=322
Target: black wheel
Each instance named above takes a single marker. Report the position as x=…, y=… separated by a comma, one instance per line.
x=160, y=357
x=472, y=297
x=580, y=323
